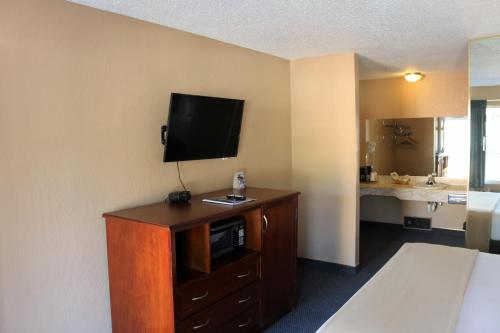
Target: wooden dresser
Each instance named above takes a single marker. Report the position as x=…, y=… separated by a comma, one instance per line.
x=162, y=277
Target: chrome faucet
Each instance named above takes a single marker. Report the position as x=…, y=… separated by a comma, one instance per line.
x=431, y=181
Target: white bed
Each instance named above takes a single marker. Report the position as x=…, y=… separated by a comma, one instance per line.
x=444, y=290
x=480, y=310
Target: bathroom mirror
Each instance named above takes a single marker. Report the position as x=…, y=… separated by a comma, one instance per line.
x=417, y=146
x=485, y=115
x=483, y=220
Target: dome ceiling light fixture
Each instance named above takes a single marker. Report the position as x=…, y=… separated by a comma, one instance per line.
x=413, y=77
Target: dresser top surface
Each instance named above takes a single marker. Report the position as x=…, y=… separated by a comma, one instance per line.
x=182, y=215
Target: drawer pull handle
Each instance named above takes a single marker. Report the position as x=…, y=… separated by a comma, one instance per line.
x=197, y=327
x=248, y=322
x=245, y=299
x=200, y=297
x=266, y=222
x=243, y=275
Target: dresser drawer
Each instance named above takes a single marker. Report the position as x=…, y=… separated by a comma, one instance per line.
x=248, y=321
x=197, y=294
x=221, y=312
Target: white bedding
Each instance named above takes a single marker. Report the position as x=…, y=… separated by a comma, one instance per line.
x=478, y=309
x=481, y=307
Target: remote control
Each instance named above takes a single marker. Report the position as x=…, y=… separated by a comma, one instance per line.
x=236, y=197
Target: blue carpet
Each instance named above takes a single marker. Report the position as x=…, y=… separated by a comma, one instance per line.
x=322, y=289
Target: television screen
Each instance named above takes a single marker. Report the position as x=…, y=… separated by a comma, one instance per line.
x=201, y=127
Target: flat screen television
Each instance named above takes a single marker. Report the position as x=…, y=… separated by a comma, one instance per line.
x=201, y=127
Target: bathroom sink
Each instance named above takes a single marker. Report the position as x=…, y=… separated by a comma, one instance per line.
x=425, y=186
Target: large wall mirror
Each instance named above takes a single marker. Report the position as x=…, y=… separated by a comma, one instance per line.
x=418, y=146
x=483, y=223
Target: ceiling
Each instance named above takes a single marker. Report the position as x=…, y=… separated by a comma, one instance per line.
x=391, y=36
x=485, y=62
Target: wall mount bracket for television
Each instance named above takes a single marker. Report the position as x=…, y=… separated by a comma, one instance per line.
x=164, y=134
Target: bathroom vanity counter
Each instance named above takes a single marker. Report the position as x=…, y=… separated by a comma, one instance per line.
x=408, y=192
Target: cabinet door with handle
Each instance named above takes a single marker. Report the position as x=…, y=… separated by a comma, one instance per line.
x=279, y=258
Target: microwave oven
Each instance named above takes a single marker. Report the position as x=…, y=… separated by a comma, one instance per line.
x=227, y=236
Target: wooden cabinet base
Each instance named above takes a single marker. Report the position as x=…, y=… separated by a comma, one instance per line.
x=231, y=306
x=246, y=322
x=162, y=278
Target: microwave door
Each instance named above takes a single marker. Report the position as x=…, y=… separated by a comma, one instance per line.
x=221, y=243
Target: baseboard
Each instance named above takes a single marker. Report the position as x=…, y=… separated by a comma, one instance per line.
x=439, y=231
x=350, y=270
x=382, y=224
x=328, y=266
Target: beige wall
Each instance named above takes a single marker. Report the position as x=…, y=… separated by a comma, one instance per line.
x=486, y=92
x=325, y=156
x=437, y=95
x=82, y=96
